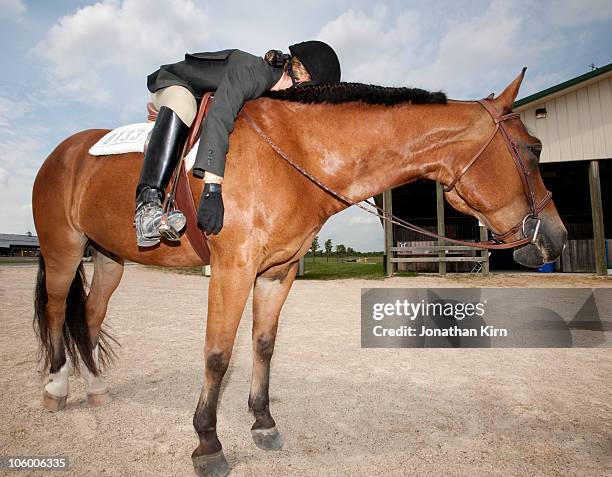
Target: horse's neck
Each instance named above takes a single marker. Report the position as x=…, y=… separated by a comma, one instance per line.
x=360, y=151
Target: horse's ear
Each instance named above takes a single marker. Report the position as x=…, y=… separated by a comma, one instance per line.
x=491, y=96
x=506, y=99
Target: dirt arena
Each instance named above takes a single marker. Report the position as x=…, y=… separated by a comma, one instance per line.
x=342, y=410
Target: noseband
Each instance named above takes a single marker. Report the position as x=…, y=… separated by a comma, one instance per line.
x=497, y=242
x=514, y=148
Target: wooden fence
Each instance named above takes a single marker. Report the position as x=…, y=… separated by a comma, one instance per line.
x=411, y=257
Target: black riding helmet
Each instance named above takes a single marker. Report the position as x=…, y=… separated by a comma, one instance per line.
x=319, y=59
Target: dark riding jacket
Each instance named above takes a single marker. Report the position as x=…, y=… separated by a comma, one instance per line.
x=235, y=76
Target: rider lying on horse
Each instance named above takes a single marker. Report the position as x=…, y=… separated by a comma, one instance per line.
x=235, y=76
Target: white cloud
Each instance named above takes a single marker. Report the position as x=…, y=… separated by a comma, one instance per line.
x=354, y=228
x=475, y=51
x=539, y=81
x=20, y=159
x=371, y=45
x=363, y=219
x=11, y=109
x=15, y=208
x=103, y=52
x=580, y=12
x=465, y=55
x=4, y=177
x=21, y=154
x=12, y=8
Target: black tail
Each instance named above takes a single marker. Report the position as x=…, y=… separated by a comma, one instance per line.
x=75, y=331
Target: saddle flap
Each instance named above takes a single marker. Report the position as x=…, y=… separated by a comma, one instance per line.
x=184, y=196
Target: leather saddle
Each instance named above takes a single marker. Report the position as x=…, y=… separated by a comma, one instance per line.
x=180, y=191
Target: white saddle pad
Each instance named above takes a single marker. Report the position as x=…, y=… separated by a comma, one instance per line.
x=131, y=138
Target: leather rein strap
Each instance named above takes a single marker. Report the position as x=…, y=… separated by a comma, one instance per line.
x=514, y=148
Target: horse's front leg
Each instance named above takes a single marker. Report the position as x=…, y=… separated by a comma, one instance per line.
x=269, y=295
x=229, y=289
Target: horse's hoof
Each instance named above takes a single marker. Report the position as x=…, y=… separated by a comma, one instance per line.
x=98, y=399
x=267, y=439
x=53, y=403
x=211, y=465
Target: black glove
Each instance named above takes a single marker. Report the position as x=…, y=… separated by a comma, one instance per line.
x=210, y=213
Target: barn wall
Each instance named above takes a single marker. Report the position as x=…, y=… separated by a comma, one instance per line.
x=578, y=125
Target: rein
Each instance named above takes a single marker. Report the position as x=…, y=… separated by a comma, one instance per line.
x=513, y=146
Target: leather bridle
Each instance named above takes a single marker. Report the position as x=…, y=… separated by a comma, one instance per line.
x=514, y=147
x=523, y=171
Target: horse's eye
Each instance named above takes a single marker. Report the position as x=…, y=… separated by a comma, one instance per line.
x=536, y=149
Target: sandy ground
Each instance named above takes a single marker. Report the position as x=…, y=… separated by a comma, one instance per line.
x=343, y=410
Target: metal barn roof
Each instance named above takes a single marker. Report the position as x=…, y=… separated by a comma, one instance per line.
x=563, y=86
x=6, y=240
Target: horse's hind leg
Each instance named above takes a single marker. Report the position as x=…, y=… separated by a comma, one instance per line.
x=59, y=302
x=271, y=290
x=108, y=271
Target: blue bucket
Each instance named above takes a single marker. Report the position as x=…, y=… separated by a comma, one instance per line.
x=547, y=268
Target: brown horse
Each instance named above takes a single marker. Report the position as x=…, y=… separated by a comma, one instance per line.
x=272, y=214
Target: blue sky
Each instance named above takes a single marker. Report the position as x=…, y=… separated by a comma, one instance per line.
x=74, y=65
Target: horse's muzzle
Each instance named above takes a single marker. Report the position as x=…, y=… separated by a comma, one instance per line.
x=548, y=245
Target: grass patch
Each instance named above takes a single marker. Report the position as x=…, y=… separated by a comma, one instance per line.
x=336, y=270
x=319, y=269
x=179, y=270
x=17, y=260
x=322, y=270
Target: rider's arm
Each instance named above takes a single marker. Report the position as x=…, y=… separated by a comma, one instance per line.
x=241, y=83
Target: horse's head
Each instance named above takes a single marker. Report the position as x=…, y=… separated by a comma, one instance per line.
x=503, y=187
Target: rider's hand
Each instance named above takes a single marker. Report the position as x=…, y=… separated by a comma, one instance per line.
x=210, y=213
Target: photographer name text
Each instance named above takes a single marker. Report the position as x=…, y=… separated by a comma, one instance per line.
x=405, y=330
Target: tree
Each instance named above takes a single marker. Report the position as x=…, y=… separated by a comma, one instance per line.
x=328, y=248
x=340, y=249
x=350, y=251
x=314, y=247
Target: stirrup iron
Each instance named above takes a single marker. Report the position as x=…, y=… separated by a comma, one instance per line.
x=167, y=231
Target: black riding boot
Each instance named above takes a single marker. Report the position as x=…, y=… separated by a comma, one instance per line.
x=162, y=155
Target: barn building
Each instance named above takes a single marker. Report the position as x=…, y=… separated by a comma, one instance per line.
x=13, y=245
x=574, y=122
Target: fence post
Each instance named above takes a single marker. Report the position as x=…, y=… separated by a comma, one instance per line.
x=484, y=253
x=598, y=223
x=441, y=226
x=300, y=272
x=388, y=208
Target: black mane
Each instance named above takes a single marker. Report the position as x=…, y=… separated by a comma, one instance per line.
x=367, y=93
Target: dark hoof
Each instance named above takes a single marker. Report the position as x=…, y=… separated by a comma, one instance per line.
x=267, y=439
x=211, y=465
x=53, y=403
